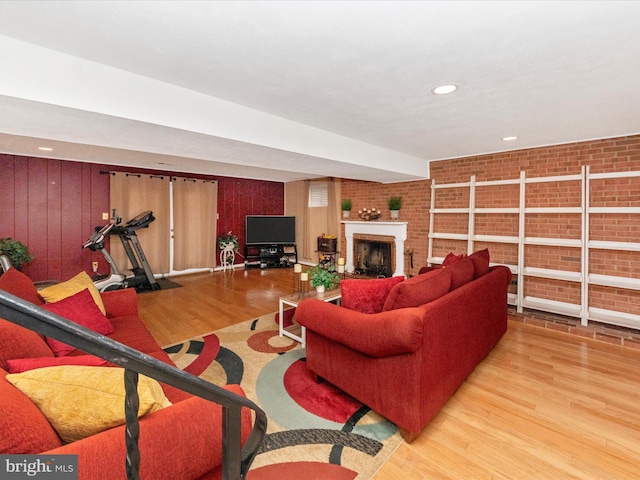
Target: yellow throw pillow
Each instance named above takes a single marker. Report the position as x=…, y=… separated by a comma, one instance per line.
x=80, y=401
x=60, y=291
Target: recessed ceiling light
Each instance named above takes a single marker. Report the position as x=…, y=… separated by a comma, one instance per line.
x=509, y=139
x=46, y=149
x=445, y=89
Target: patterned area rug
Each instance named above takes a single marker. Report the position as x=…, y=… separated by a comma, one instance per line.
x=315, y=431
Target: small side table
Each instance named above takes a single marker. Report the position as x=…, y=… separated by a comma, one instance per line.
x=293, y=301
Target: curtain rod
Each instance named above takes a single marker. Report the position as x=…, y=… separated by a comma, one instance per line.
x=161, y=177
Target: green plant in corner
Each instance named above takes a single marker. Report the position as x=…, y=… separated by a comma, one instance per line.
x=325, y=277
x=17, y=252
x=395, y=203
x=346, y=204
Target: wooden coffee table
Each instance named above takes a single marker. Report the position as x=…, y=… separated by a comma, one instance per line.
x=296, y=331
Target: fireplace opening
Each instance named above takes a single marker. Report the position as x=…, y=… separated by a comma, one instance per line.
x=373, y=258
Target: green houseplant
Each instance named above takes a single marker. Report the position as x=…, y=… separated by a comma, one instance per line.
x=395, y=203
x=346, y=207
x=323, y=278
x=17, y=252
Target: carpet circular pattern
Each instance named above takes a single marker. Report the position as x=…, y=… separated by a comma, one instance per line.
x=315, y=431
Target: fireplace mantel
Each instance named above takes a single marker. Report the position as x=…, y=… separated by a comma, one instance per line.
x=398, y=230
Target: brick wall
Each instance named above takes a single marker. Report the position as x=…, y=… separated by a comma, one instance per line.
x=606, y=155
x=415, y=210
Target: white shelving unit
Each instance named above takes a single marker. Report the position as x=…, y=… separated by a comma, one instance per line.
x=628, y=283
x=583, y=244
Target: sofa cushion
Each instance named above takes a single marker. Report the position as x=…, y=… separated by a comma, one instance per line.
x=81, y=401
x=20, y=342
x=20, y=365
x=461, y=272
x=60, y=291
x=24, y=429
x=480, y=260
x=367, y=296
x=419, y=290
x=18, y=284
x=132, y=331
x=81, y=309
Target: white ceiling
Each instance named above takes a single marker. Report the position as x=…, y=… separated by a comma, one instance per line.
x=292, y=90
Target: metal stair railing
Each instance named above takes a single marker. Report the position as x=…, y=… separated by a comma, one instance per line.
x=236, y=458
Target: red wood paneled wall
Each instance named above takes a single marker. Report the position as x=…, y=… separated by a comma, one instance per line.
x=52, y=206
x=238, y=198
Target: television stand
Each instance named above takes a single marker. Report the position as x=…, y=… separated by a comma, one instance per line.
x=267, y=255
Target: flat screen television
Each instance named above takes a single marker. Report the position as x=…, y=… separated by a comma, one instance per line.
x=270, y=229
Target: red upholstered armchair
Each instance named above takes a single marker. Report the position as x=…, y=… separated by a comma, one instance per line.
x=405, y=363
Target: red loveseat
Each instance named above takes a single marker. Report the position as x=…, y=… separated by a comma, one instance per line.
x=181, y=441
x=407, y=359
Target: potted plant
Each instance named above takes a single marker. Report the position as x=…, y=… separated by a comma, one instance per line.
x=323, y=278
x=228, y=245
x=346, y=207
x=395, y=203
x=17, y=252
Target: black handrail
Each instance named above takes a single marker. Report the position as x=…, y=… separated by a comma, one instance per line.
x=236, y=458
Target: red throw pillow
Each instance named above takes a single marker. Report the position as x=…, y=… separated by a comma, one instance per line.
x=18, y=284
x=461, y=272
x=81, y=309
x=419, y=290
x=451, y=259
x=367, y=296
x=20, y=365
x=480, y=260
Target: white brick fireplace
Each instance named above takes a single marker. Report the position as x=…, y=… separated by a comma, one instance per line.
x=398, y=230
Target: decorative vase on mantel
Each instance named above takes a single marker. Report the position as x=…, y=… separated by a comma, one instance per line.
x=394, y=215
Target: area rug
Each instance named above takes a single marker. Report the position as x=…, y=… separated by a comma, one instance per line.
x=315, y=431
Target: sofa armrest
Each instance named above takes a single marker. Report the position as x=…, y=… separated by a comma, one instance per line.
x=180, y=441
x=120, y=303
x=375, y=334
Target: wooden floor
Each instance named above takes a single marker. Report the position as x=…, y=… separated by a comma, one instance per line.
x=543, y=405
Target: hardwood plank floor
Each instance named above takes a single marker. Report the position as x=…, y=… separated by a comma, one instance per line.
x=543, y=404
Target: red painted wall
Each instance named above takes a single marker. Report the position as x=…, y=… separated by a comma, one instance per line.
x=52, y=206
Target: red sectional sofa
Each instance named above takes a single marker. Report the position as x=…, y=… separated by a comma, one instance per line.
x=181, y=441
x=406, y=359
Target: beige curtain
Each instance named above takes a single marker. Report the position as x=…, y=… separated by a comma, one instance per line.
x=306, y=248
x=294, y=205
x=194, y=223
x=132, y=194
x=311, y=222
x=333, y=214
